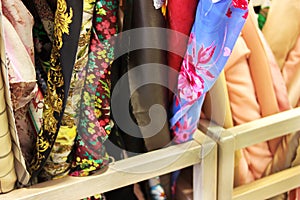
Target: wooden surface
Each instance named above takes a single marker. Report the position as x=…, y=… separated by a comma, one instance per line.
x=121, y=173
x=266, y=128
x=231, y=139
x=269, y=186
x=205, y=173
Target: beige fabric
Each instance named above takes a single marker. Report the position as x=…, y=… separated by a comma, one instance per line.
x=282, y=27
x=19, y=161
x=291, y=73
x=7, y=172
x=216, y=105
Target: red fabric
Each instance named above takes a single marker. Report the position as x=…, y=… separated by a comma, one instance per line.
x=180, y=17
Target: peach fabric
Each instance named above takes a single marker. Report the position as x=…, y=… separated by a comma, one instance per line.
x=244, y=107
x=291, y=75
x=253, y=68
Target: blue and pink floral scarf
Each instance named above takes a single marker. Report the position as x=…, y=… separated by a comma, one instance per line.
x=216, y=28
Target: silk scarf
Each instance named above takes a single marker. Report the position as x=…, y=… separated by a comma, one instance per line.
x=214, y=33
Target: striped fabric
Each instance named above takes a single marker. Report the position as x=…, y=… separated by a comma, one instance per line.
x=14, y=167
x=7, y=173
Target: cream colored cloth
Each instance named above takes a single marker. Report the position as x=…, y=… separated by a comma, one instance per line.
x=7, y=173
x=19, y=162
x=291, y=73
x=282, y=28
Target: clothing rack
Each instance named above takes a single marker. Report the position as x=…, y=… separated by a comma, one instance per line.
x=201, y=153
x=231, y=139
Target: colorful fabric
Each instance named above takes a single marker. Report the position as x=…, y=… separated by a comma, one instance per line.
x=180, y=19
x=156, y=190
x=58, y=164
x=66, y=33
x=94, y=117
x=207, y=53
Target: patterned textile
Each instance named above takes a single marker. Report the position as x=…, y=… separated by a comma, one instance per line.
x=67, y=23
x=8, y=176
x=46, y=16
x=156, y=190
x=180, y=19
x=58, y=164
x=94, y=118
x=19, y=79
x=208, y=50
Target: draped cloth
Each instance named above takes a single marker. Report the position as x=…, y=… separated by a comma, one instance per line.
x=67, y=23
x=18, y=75
x=214, y=33
x=94, y=124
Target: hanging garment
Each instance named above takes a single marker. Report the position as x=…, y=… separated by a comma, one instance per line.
x=180, y=19
x=269, y=95
x=290, y=144
x=94, y=124
x=291, y=74
x=208, y=50
x=67, y=24
x=46, y=16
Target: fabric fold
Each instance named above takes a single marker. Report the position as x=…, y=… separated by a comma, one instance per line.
x=207, y=53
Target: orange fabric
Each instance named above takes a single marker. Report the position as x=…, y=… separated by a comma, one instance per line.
x=253, y=159
x=253, y=68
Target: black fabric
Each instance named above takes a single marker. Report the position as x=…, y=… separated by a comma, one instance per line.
x=125, y=193
x=66, y=60
x=139, y=14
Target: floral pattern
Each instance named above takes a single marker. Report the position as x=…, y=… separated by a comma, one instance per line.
x=207, y=53
x=94, y=118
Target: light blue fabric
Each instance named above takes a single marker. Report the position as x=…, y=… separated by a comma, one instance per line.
x=214, y=33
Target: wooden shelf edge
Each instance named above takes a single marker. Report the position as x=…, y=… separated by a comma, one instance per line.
x=119, y=174
x=269, y=186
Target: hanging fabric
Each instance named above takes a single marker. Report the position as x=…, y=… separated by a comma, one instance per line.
x=180, y=19
x=67, y=23
x=208, y=50
x=142, y=14
x=94, y=123
x=59, y=162
x=19, y=80
x=8, y=176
